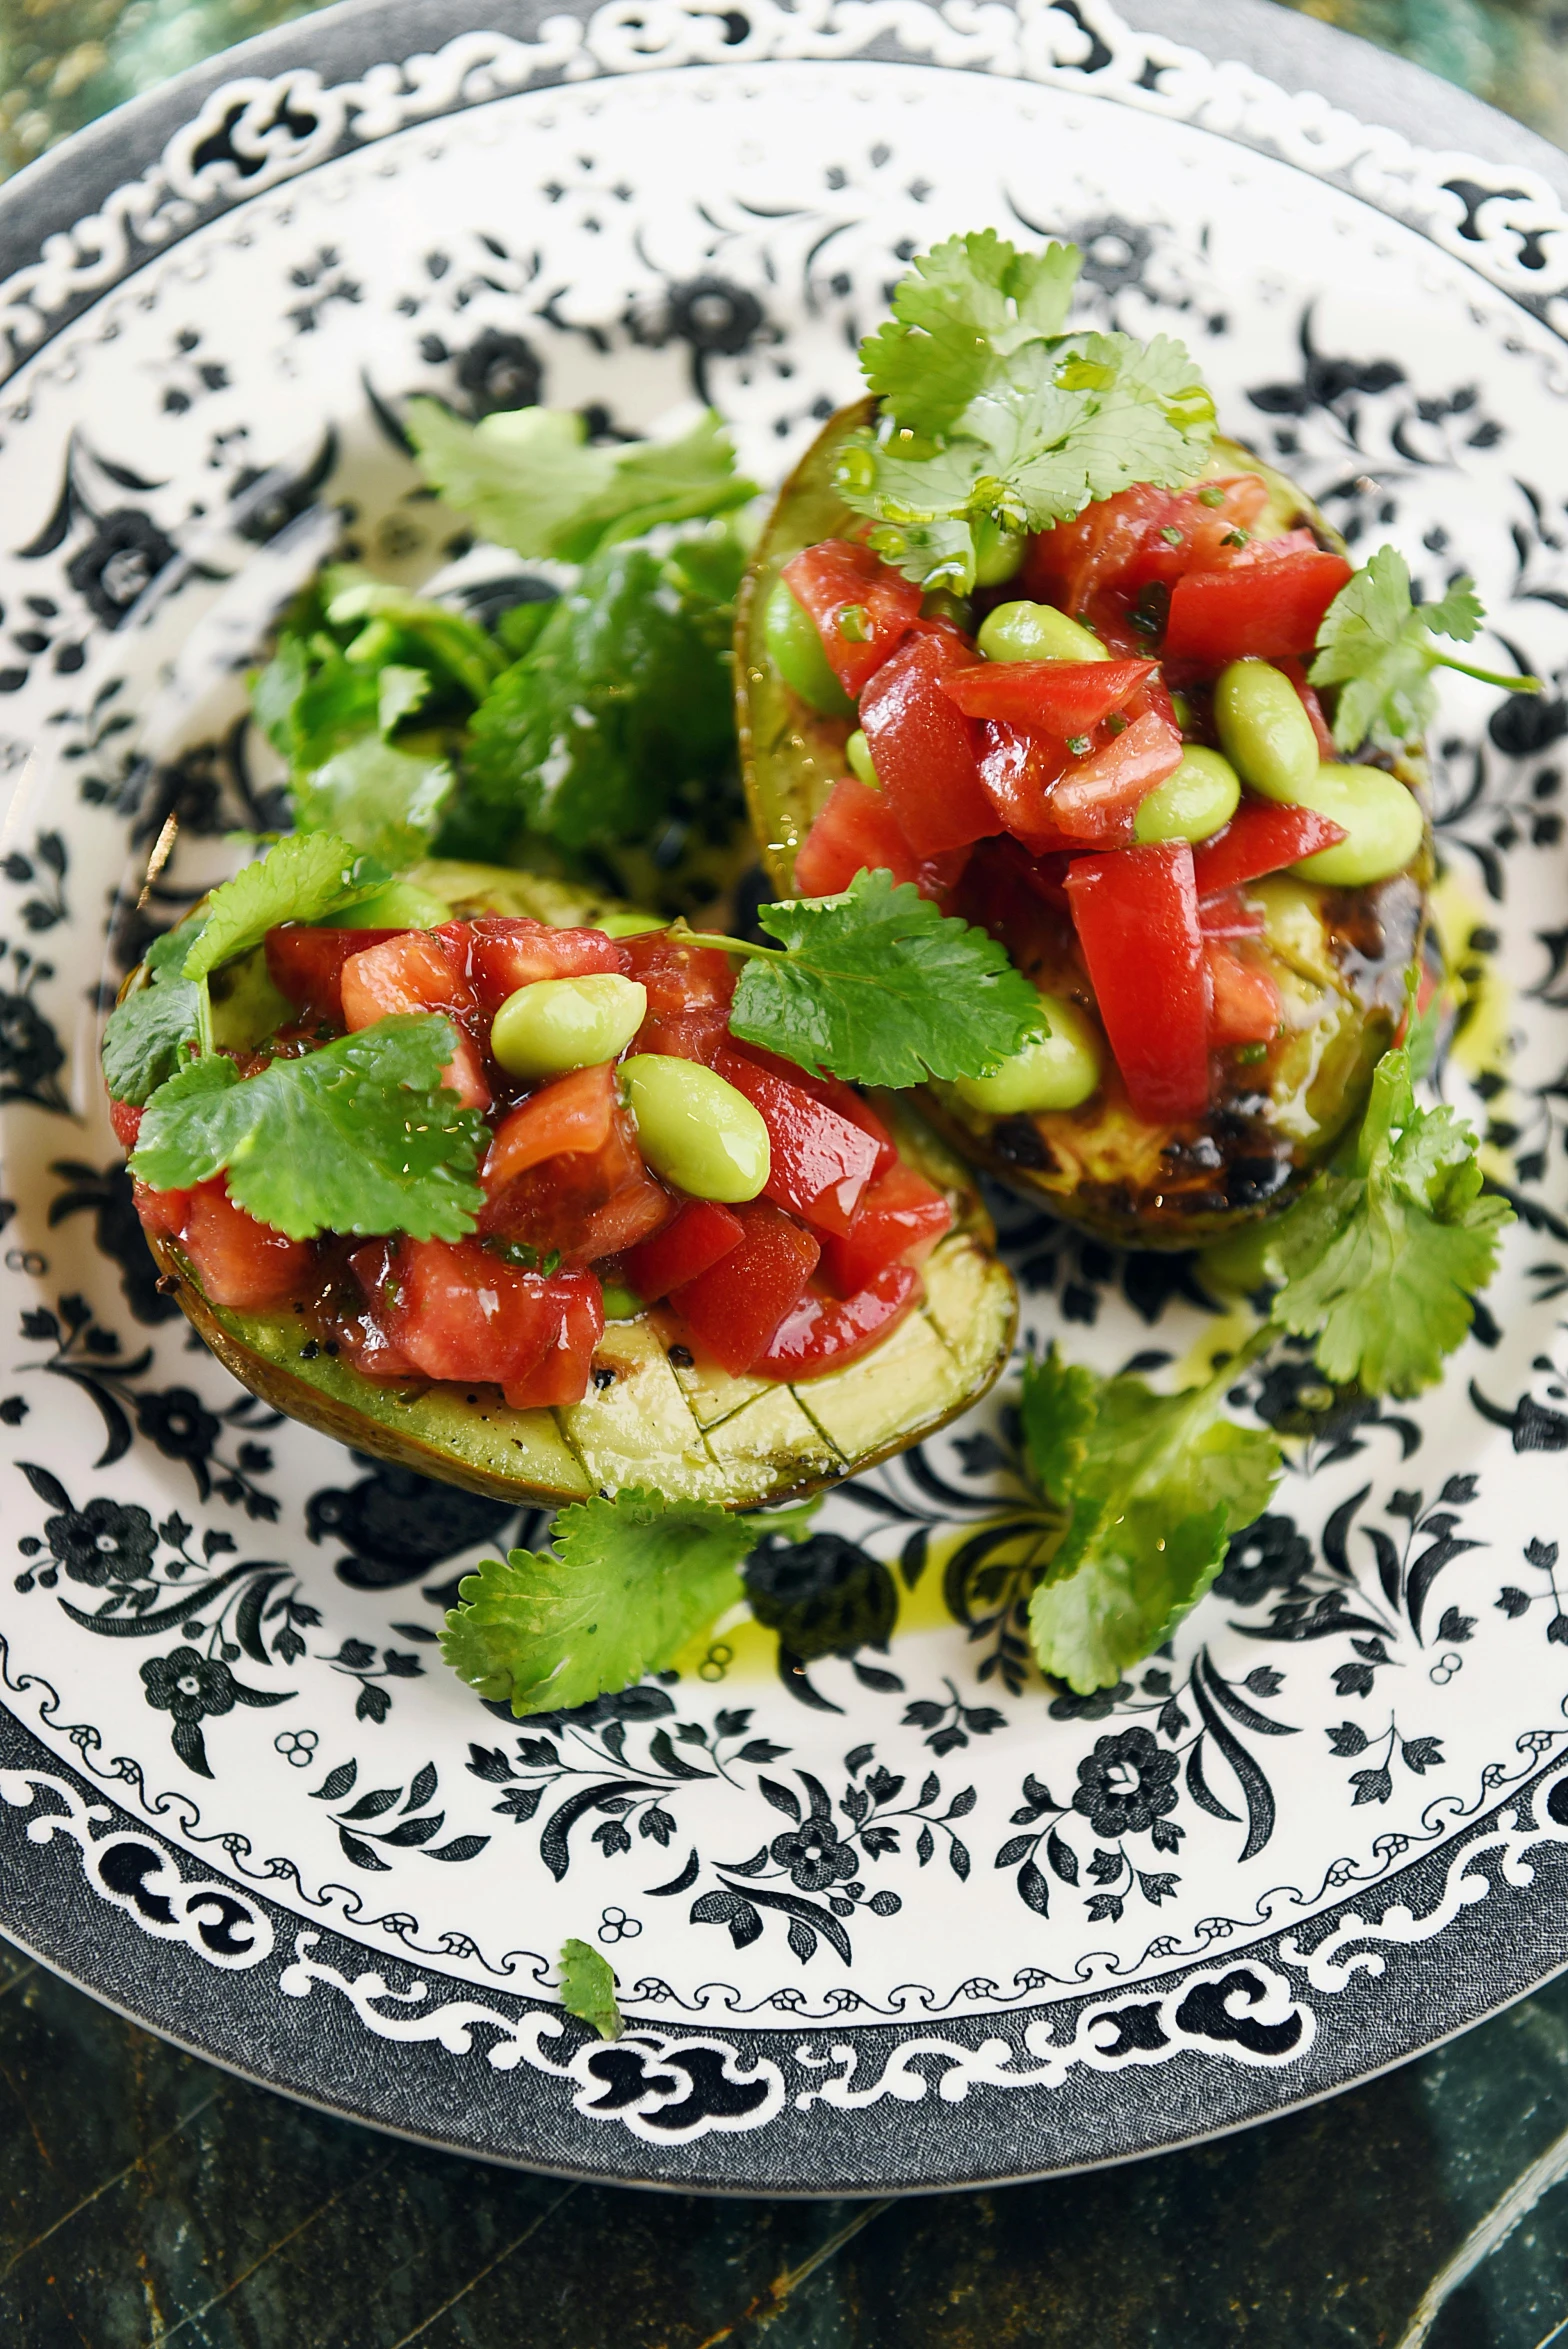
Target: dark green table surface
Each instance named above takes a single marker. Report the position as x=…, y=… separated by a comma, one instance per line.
x=146, y=2199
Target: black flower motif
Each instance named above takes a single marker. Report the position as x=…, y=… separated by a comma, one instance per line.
x=714, y=316
x=119, y=563
x=31, y=1054
x=105, y=1542
x=1115, y=252
x=499, y=371
x=178, y=1422
x=1125, y=1784
x=814, y=1855
x=188, y=1684
x=1269, y=1556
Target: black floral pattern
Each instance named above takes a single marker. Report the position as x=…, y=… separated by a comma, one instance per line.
x=813, y=1855
x=1126, y=1783
x=105, y=1542
x=114, y=570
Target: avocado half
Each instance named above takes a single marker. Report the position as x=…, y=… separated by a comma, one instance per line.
x=691, y=1432
x=1341, y=955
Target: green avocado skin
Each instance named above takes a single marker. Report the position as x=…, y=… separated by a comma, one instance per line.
x=656, y=1419
x=1348, y=951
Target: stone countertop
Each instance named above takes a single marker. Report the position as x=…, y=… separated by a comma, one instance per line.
x=149, y=2200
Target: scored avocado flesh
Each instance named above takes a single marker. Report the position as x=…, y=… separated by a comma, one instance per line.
x=689, y=1431
x=1338, y=956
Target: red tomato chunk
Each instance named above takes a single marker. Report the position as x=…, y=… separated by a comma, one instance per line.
x=457, y=1311
x=1243, y=999
x=1050, y=697
x=701, y=1233
x=1136, y=912
x=924, y=749
x=820, y=1334
x=1263, y=836
x=689, y=992
x=733, y=1310
x=409, y=973
x=822, y=1160
x=861, y=607
x=900, y=1220
x=1268, y=608
x=497, y=954
x=239, y=1262
x=306, y=965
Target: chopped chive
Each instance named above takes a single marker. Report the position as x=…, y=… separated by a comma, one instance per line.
x=1116, y=723
x=1171, y=535
x=1211, y=496
x=1078, y=744
x=1234, y=538
x=854, y=624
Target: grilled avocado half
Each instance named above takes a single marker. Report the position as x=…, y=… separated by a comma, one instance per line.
x=690, y=1431
x=1339, y=956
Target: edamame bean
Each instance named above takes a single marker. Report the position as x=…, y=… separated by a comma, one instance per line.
x=400, y=906
x=1382, y=822
x=696, y=1130
x=998, y=552
x=795, y=649
x=554, y=1025
x=630, y=924
x=1036, y=632
x=1198, y=799
x=857, y=750
x=1263, y=729
x=1054, y=1071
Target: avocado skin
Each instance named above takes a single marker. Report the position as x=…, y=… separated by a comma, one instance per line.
x=1213, y=1176
x=549, y=1458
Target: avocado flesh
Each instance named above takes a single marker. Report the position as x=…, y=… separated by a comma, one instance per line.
x=1340, y=955
x=691, y=1433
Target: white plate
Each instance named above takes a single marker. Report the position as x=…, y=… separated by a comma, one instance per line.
x=883, y=1916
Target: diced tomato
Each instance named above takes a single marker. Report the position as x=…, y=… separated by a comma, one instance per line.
x=357, y=1333
x=239, y=1262
x=837, y=579
x=572, y=1114
x=822, y=1160
x=1202, y=529
x=835, y=1093
x=306, y=965
x=629, y=1216
x=1267, y=608
x=409, y=972
x=733, y=1310
x=819, y=1334
x=1263, y=836
x=1136, y=912
x=127, y=1123
x=497, y=954
x=899, y=1221
x=924, y=748
x=1229, y=915
x=1067, y=565
x=162, y=1213
x=701, y=1233
x=561, y=1374
x=1243, y=999
x=1097, y=799
x=689, y=992
x=456, y=1311
x=1048, y=697
x=857, y=832
x=1017, y=770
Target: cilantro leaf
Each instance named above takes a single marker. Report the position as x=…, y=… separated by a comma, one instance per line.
x=302, y=879
x=1153, y=1487
x=961, y=303
x=990, y=410
x=630, y=1581
x=881, y=988
x=1376, y=646
x=588, y=1988
x=357, y=1137
x=386, y=801
x=528, y=479
x=1380, y=1258
x=150, y=1034
x=616, y=726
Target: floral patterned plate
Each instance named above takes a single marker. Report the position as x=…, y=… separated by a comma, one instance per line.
x=885, y=1911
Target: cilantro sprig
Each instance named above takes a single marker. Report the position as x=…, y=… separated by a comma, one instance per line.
x=880, y=987
x=628, y=1582
x=992, y=414
x=303, y=878
x=1377, y=646
x=530, y=480
x=360, y=1136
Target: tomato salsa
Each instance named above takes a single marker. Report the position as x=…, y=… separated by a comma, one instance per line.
x=804, y=1276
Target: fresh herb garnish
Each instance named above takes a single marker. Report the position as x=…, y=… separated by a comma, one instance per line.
x=629, y=1582
x=991, y=411
x=529, y=480
x=880, y=987
x=588, y=1988
x=148, y=1036
x=1151, y=1488
x=359, y=1136
x=1377, y=647
x=303, y=878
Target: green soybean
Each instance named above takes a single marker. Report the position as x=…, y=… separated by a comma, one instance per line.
x=795, y=649
x=998, y=552
x=1382, y=822
x=399, y=906
x=630, y=924
x=1057, y=1070
x=857, y=750
x=1263, y=729
x=555, y=1025
x=1198, y=799
x=696, y=1130
x=1036, y=632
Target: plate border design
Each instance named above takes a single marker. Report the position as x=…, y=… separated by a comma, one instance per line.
x=826, y=2108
